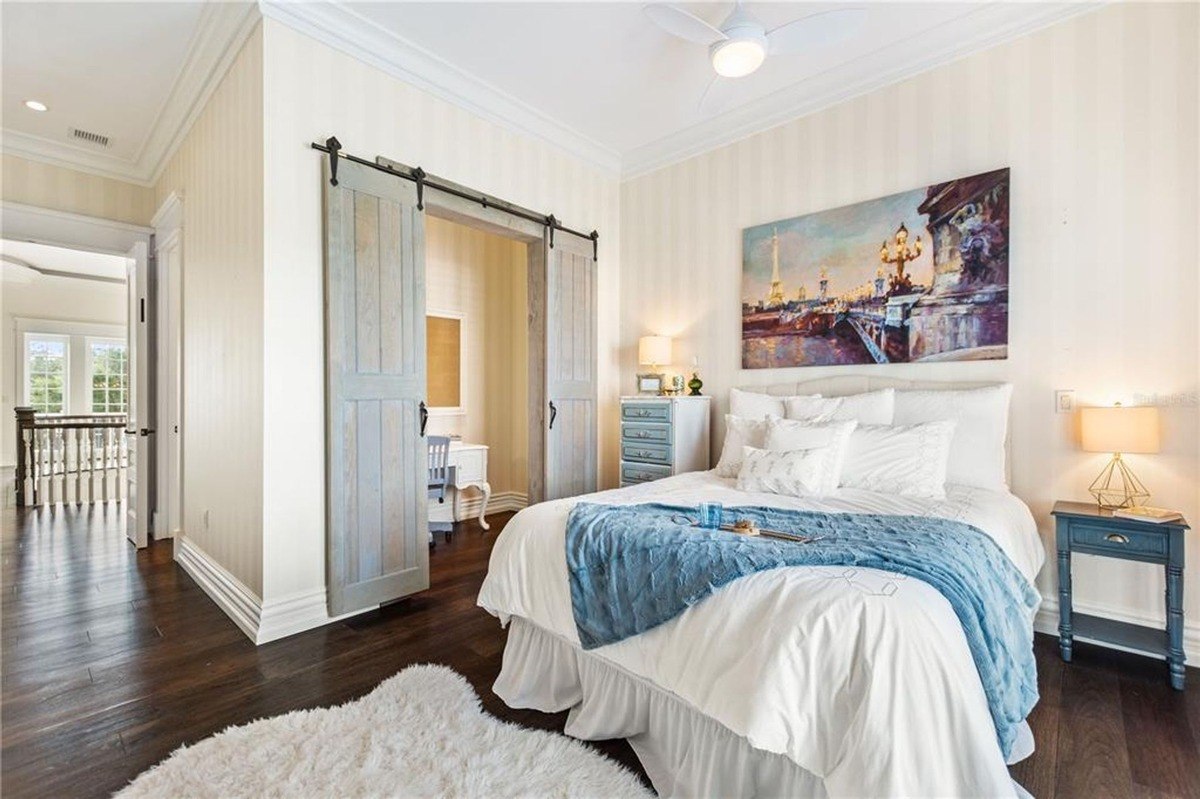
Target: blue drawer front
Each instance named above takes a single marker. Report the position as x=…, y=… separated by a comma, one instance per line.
x=643, y=472
x=645, y=453
x=653, y=433
x=1119, y=540
x=646, y=411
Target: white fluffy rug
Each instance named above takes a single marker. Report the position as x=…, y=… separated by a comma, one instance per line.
x=420, y=733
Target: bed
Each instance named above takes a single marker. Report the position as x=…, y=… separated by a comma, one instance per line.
x=805, y=681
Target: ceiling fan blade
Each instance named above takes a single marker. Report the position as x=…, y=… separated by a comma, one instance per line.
x=816, y=30
x=678, y=22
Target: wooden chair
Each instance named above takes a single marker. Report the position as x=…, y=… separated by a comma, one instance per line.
x=439, y=480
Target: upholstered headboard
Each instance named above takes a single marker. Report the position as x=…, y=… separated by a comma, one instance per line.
x=841, y=385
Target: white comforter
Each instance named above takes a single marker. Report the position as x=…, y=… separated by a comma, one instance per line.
x=860, y=676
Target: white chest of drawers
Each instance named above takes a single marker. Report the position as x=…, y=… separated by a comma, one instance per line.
x=662, y=436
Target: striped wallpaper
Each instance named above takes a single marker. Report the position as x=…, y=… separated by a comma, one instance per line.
x=1098, y=119
x=48, y=186
x=219, y=171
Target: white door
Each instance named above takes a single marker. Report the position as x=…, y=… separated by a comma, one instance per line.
x=137, y=516
x=168, y=490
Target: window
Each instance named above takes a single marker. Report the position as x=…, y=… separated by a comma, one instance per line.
x=46, y=372
x=109, y=367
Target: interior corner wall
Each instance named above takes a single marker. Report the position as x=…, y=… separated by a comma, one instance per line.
x=314, y=91
x=1098, y=119
x=218, y=170
x=62, y=189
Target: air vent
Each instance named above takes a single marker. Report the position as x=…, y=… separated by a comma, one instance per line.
x=97, y=139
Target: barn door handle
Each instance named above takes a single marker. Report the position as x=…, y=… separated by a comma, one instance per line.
x=424, y=418
x=553, y=414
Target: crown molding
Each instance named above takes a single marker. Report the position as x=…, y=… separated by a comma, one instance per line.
x=343, y=29
x=975, y=31
x=219, y=35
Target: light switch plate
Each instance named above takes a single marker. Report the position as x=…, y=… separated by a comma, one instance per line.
x=1064, y=400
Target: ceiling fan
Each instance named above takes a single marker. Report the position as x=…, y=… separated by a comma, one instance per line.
x=741, y=43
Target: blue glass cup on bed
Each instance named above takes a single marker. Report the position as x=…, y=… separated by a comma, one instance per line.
x=711, y=514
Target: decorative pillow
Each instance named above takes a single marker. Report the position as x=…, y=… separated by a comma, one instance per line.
x=906, y=460
x=872, y=407
x=977, y=452
x=795, y=473
x=750, y=405
x=739, y=433
x=831, y=437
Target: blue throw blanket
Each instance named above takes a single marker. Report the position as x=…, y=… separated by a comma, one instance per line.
x=634, y=567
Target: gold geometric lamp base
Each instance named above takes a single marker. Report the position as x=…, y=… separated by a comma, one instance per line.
x=1118, y=487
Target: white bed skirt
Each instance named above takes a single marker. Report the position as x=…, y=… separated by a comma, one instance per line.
x=684, y=752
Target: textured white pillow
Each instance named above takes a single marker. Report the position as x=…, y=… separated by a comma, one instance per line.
x=739, y=433
x=871, y=407
x=750, y=405
x=795, y=473
x=977, y=451
x=831, y=437
x=905, y=460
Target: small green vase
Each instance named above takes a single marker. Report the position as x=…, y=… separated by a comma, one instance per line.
x=694, y=385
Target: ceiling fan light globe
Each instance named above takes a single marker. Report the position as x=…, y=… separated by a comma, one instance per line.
x=738, y=57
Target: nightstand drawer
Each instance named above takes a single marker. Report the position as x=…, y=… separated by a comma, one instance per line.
x=643, y=472
x=1119, y=542
x=645, y=453
x=653, y=433
x=646, y=411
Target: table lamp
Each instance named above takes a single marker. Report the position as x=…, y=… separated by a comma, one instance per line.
x=1119, y=430
x=653, y=351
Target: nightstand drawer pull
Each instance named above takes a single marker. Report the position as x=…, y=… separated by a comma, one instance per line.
x=1117, y=538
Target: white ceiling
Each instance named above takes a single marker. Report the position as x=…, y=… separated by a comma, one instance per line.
x=130, y=71
x=26, y=260
x=597, y=78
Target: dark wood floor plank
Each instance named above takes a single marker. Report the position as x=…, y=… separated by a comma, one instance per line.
x=112, y=658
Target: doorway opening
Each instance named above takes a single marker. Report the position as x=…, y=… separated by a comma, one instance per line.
x=477, y=377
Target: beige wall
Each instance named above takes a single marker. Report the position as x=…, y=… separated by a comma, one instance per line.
x=312, y=92
x=1097, y=118
x=47, y=186
x=483, y=277
x=218, y=169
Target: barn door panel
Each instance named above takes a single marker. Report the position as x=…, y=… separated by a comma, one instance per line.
x=376, y=468
x=571, y=387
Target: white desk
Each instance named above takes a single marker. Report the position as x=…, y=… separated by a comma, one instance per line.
x=468, y=469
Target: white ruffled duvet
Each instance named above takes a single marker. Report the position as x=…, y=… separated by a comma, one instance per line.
x=862, y=677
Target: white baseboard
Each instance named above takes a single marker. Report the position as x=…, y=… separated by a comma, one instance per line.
x=498, y=503
x=260, y=621
x=240, y=604
x=1046, y=621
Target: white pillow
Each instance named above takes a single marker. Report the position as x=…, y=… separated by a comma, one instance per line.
x=795, y=473
x=749, y=405
x=977, y=451
x=872, y=407
x=831, y=437
x=905, y=460
x=739, y=433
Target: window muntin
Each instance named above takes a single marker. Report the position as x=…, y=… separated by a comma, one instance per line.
x=47, y=360
x=109, y=373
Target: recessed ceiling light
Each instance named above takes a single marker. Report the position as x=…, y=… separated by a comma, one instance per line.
x=34, y=105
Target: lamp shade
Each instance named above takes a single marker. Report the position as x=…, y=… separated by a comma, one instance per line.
x=654, y=350
x=1119, y=429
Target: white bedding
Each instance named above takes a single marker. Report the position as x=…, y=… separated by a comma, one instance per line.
x=862, y=677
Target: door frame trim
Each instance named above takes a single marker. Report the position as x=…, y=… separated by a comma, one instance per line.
x=168, y=231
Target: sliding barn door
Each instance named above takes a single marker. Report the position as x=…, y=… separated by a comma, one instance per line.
x=570, y=368
x=377, y=463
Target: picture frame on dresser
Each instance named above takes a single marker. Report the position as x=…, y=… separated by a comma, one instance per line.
x=663, y=436
x=650, y=384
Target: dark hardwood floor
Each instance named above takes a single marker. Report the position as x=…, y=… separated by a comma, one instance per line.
x=112, y=658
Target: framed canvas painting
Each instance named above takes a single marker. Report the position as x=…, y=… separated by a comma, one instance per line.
x=919, y=276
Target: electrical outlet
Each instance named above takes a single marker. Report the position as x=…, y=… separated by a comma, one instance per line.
x=1064, y=400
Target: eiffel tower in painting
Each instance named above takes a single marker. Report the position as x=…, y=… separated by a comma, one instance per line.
x=775, y=298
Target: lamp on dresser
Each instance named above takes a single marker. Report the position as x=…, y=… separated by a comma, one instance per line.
x=653, y=351
x=1119, y=430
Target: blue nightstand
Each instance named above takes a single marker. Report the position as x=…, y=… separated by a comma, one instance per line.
x=1084, y=527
